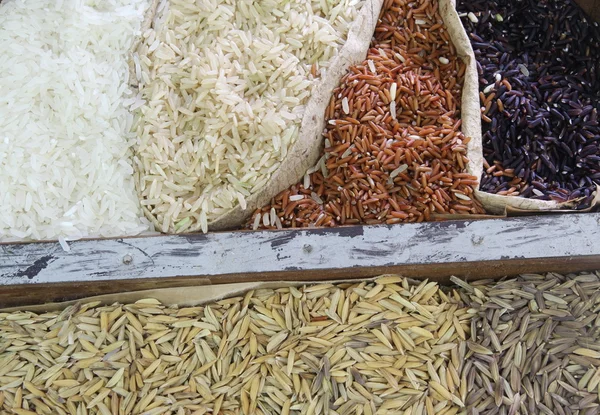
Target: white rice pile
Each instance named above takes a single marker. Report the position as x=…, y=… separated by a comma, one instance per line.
x=222, y=88
x=65, y=168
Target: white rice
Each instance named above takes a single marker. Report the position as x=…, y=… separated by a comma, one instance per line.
x=345, y=105
x=224, y=92
x=372, y=66
x=65, y=169
x=63, y=244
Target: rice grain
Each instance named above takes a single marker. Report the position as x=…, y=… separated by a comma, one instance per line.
x=270, y=351
x=65, y=160
x=394, y=151
x=540, y=360
x=224, y=94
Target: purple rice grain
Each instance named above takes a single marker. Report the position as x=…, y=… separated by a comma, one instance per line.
x=541, y=62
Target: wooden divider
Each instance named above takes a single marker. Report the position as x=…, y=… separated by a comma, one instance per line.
x=40, y=272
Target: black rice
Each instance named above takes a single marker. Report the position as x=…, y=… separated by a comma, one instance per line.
x=539, y=69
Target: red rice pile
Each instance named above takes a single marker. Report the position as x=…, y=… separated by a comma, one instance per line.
x=383, y=167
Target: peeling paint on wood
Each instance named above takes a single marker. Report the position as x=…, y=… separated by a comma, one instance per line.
x=230, y=253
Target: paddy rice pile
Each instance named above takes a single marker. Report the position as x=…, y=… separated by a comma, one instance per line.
x=389, y=345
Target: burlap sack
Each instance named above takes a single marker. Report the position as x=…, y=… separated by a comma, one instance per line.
x=470, y=112
x=305, y=152
x=591, y=7
x=190, y=296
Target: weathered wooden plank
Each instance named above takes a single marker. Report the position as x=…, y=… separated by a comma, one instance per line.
x=287, y=252
x=17, y=295
x=292, y=250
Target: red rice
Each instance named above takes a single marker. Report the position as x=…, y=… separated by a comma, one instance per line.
x=421, y=143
